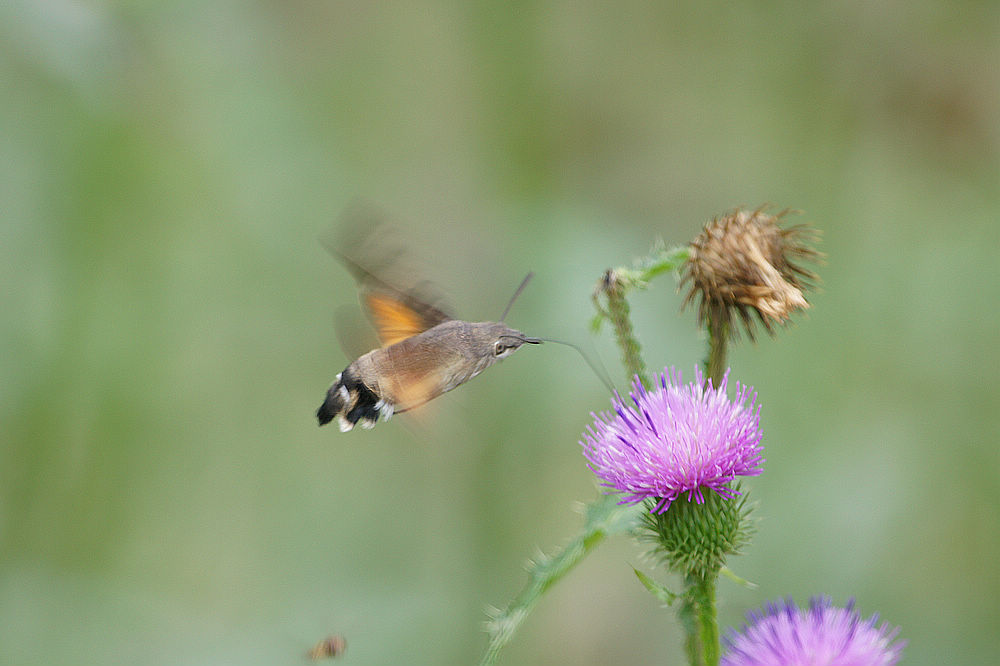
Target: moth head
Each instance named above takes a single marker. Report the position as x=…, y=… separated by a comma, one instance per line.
x=501, y=341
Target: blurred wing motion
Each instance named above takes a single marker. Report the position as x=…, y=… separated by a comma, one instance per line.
x=398, y=305
x=397, y=317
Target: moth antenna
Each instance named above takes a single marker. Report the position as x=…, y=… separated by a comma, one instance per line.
x=597, y=367
x=524, y=283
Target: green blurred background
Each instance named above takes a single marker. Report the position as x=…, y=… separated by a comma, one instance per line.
x=166, y=315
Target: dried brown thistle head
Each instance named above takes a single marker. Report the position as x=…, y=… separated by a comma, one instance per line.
x=743, y=263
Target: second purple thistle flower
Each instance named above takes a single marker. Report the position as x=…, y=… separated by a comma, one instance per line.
x=676, y=438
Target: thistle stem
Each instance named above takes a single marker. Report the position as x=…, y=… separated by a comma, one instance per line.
x=718, y=342
x=699, y=620
x=688, y=615
x=603, y=517
x=619, y=314
x=707, y=618
x=702, y=625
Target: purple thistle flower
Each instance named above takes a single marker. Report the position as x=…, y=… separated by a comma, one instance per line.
x=678, y=438
x=822, y=635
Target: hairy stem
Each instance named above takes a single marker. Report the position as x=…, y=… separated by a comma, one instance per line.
x=699, y=620
x=602, y=518
x=619, y=314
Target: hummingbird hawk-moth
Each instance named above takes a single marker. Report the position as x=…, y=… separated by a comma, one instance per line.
x=425, y=352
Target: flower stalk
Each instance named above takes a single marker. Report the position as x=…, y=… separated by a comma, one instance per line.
x=694, y=540
x=613, y=287
x=602, y=518
x=702, y=645
x=718, y=341
x=618, y=312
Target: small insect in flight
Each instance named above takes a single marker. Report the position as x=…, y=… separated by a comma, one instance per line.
x=425, y=352
x=331, y=646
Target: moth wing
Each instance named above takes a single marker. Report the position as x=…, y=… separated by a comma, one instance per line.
x=398, y=305
x=399, y=316
x=354, y=332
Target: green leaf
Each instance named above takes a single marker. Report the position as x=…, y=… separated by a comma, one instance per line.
x=602, y=518
x=728, y=573
x=656, y=589
x=660, y=261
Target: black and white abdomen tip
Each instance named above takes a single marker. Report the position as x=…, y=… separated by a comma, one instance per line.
x=352, y=403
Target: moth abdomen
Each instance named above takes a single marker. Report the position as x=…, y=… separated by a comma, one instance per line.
x=336, y=399
x=352, y=403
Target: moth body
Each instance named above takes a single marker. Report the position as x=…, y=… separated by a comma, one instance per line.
x=408, y=373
